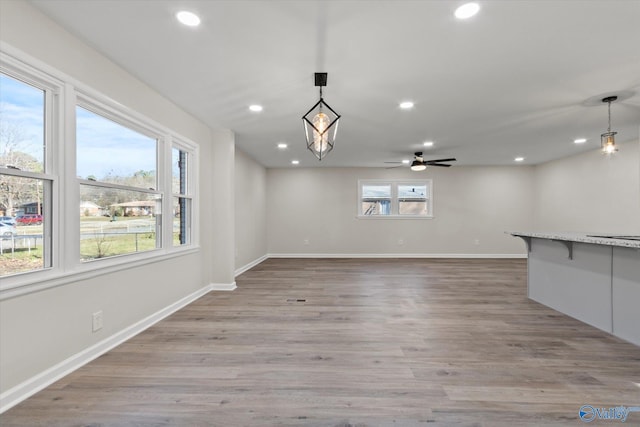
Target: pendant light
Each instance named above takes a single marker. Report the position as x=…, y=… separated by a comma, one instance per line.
x=607, y=139
x=320, y=123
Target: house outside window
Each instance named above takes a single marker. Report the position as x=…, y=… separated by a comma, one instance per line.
x=395, y=199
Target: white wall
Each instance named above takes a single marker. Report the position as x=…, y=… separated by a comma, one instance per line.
x=41, y=329
x=470, y=203
x=590, y=192
x=218, y=215
x=250, y=211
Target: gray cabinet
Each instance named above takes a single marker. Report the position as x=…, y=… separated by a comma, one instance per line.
x=592, y=279
x=579, y=287
x=626, y=293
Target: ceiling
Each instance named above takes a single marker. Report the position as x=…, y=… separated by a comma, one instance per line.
x=521, y=78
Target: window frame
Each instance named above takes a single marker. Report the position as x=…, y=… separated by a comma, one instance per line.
x=54, y=90
x=395, y=199
x=191, y=152
x=115, y=114
x=60, y=170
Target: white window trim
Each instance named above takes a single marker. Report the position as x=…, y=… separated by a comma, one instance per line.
x=122, y=116
x=394, y=183
x=193, y=157
x=54, y=89
x=66, y=266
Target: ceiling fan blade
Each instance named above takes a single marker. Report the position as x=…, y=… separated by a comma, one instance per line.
x=439, y=164
x=440, y=160
x=393, y=162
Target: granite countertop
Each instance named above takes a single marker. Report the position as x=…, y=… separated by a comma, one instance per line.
x=593, y=238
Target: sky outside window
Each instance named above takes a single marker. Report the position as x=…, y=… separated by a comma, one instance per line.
x=108, y=151
x=21, y=125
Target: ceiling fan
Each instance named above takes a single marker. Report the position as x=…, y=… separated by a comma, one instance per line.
x=420, y=164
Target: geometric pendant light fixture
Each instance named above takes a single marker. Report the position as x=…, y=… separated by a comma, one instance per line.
x=608, y=139
x=320, y=123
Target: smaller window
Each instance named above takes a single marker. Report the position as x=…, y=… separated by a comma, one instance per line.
x=376, y=199
x=182, y=199
x=412, y=199
x=395, y=199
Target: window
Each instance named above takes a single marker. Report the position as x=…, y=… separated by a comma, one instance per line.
x=182, y=199
x=120, y=208
x=26, y=175
x=76, y=202
x=412, y=199
x=376, y=199
x=395, y=199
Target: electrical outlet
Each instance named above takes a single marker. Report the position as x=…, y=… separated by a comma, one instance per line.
x=476, y=242
x=97, y=321
x=400, y=242
x=306, y=242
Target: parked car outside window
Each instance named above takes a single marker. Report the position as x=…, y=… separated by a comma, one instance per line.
x=8, y=220
x=7, y=230
x=29, y=219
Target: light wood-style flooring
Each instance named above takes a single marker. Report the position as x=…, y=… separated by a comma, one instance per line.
x=353, y=342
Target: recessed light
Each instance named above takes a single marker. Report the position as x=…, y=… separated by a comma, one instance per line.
x=282, y=145
x=406, y=105
x=580, y=140
x=295, y=162
x=428, y=144
x=519, y=159
x=255, y=108
x=406, y=162
x=187, y=18
x=467, y=10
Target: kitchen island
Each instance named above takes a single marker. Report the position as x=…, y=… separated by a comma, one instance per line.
x=594, y=278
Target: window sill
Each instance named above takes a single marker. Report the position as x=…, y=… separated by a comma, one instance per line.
x=27, y=283
x=395, y=217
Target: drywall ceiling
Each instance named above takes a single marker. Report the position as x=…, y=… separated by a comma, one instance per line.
x=521, y=78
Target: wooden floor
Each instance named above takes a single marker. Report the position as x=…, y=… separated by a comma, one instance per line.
x=353, y=343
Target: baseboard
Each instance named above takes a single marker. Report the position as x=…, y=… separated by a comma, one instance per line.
x=422, y=255
x=250, y=265
x=24, y=390
x=223, y=286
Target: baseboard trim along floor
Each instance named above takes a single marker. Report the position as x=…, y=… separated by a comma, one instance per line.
x=22, y=391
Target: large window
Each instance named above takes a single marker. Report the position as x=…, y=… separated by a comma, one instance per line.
x=395, y=199
x=85, y=182
x=26, y=177
x=120, y=206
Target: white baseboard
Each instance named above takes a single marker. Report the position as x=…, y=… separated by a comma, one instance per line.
x=298, y=255
x=223, y=286
x=22, y=391
x=250, y=265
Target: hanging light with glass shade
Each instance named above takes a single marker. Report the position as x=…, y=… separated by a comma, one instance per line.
x=608, y=139
x=320, y=123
